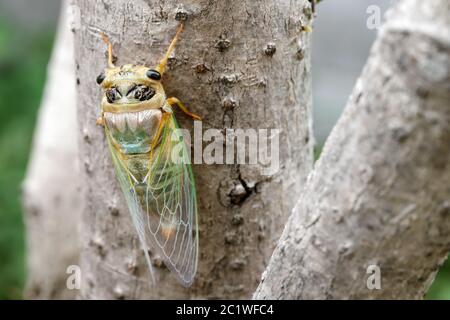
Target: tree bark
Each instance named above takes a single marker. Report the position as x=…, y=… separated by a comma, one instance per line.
x=225, y=68
x=380, y=193
x=51, y=195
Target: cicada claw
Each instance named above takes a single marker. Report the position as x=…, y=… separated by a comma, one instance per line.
x=100, y=121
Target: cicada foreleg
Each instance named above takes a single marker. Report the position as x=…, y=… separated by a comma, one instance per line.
x=100, y=121
x=175, y=102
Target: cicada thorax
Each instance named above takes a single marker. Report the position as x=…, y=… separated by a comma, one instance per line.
x=133, y=132
x=132, y=112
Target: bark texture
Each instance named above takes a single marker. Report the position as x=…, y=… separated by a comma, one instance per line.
x=380, y=193
x=239, y=64
x=51, y=196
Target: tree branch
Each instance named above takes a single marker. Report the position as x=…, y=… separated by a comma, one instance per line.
x=380, y=193
x=51, y=195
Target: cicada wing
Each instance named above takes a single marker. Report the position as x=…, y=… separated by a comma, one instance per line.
x=172, y=203
x=164, y=213
x=128, y=187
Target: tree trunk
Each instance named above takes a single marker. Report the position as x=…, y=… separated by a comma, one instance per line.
x=380, y=193
x=239, y=64
x=51, y=195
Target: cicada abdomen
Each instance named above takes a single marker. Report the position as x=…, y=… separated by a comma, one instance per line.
x=142, y=133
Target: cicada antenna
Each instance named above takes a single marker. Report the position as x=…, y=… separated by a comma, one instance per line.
x=163, y=63
x=110, y=50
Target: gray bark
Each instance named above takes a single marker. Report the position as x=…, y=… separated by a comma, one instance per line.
x=223, y=70
x=51, y=188
x=380, y=193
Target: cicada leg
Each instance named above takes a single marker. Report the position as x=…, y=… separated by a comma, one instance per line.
x=157, y=136
x=163, y=63
x=100, y=121
x=174, y=101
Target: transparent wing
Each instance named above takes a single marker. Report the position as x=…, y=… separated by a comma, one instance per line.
x=164, y=206
x=128, y=186
x=172, y=203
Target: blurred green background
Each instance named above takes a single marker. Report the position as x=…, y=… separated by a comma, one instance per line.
x=26, y=35
x=24, y=54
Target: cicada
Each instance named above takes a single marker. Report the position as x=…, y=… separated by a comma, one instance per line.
x=153, y=172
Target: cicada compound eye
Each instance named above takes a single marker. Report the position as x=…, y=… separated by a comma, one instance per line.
x=101, y=77
x=153, y=74
x=112, y=95
x=143, y=93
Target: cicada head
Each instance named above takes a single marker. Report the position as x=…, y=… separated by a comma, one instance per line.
x=131, y=86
